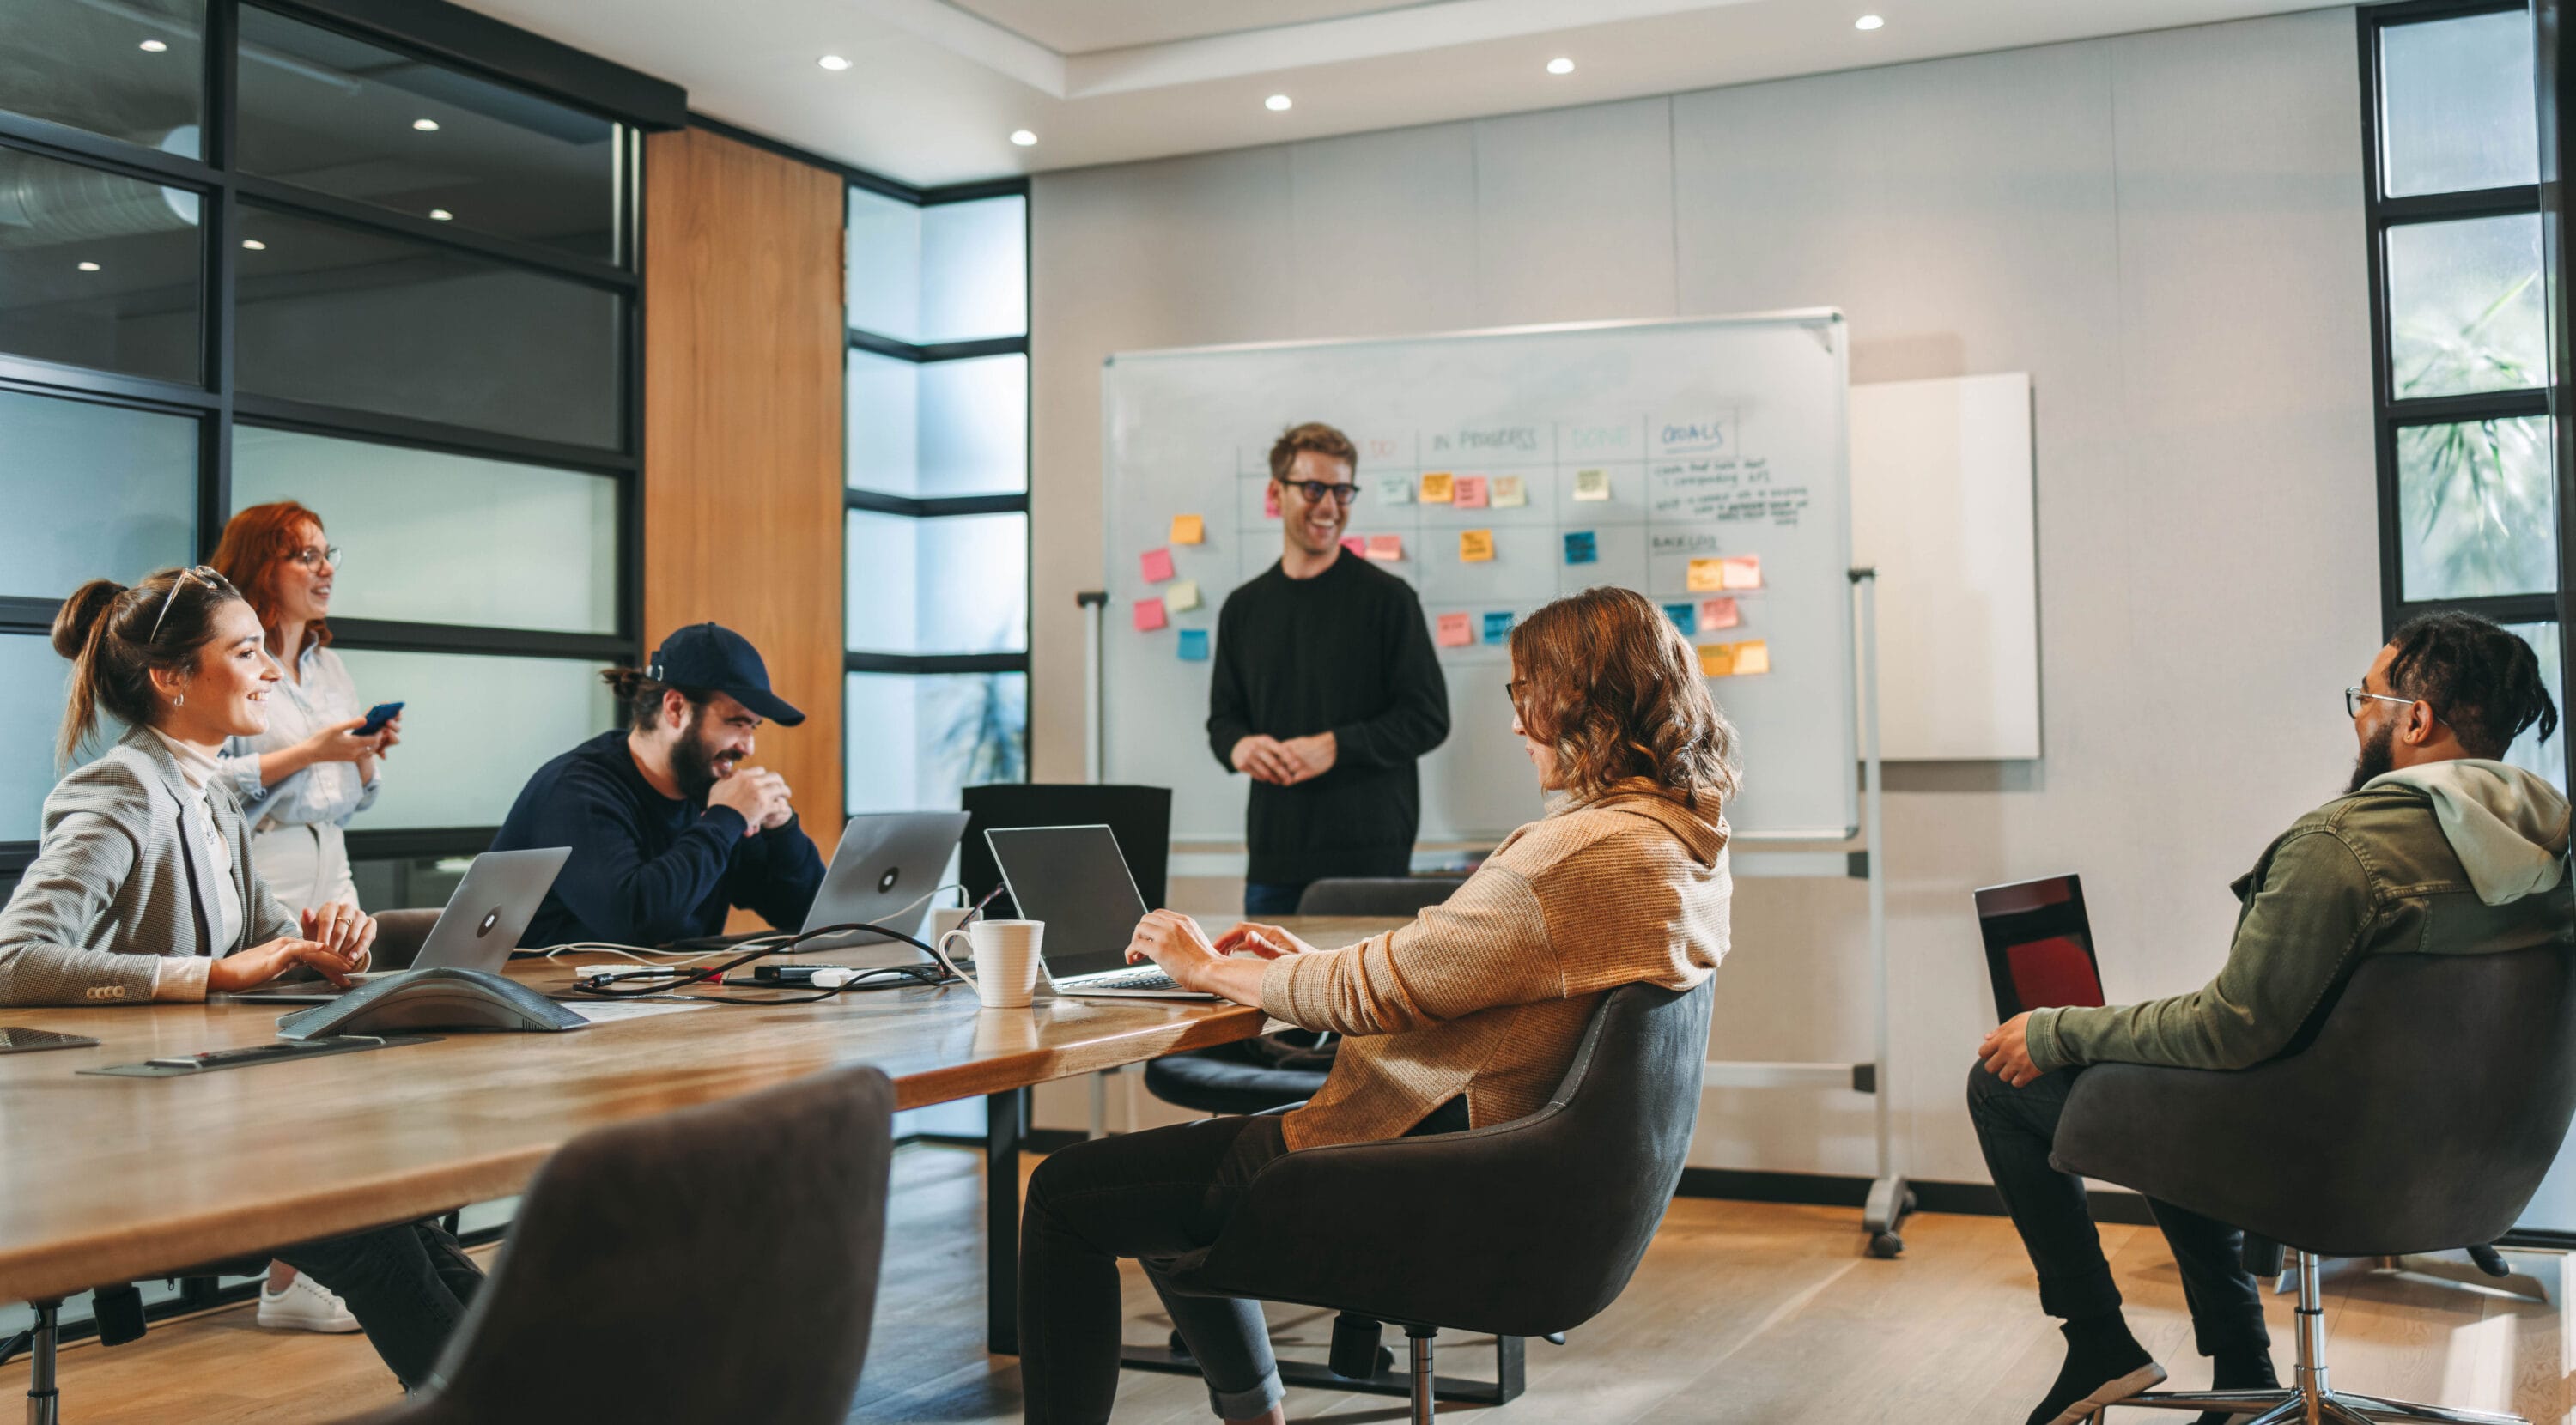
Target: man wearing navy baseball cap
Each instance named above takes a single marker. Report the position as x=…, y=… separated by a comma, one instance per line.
x=668, y=827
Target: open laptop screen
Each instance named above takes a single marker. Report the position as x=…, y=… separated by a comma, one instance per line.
x=2039, y=946
x=1072, y=878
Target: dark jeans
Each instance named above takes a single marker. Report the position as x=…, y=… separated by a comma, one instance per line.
x=1153, y=1194
x=2015, y=1127
x=407, y=1285
x=1272, y=897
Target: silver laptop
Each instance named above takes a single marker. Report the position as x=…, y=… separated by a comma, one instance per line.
x=483, y=919
x=888, y=864
x=1074, y=879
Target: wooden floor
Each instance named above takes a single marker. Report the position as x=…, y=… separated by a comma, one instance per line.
x=1743, y=1314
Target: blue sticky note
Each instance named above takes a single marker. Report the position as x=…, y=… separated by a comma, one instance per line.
x=1581, y=547
x=1684, y=616
x=1194, y=645
x=1498, y=627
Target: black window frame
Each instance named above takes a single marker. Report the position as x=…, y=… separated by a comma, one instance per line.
x=453, y=38
x=2389, y=414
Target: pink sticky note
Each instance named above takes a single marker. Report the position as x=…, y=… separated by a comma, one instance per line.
x=1158, y=565
x=1270, y=502
x=1719, y=613
x=1356, y=545
x=1149, y=615
x=1454, y=632
x=1389, y=547
x=1470, y=492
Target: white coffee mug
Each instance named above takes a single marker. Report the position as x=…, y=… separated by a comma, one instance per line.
x=1006, y=955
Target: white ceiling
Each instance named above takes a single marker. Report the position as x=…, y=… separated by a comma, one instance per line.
x=934, y=89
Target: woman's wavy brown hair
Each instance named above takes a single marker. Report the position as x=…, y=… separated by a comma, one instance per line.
x=1606, y=678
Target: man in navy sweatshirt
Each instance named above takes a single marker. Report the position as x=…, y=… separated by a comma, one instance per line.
x=668, y=828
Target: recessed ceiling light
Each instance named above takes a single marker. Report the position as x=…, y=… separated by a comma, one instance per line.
x=1277, y=103
x=440, y=215
x=1023, y=137
x=1868, y=22
x=833, y=61
x=89, y=267
x=427, y=126
x=254, y=244
x=1560, y=66
x=152, y=46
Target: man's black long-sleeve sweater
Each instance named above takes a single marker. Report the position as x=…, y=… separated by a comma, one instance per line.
x=1344, y=652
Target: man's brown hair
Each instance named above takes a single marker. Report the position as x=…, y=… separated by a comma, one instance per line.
x=1606, y=679
x=1317, y=437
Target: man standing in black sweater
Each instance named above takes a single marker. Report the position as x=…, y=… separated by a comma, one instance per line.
x=1325, y=691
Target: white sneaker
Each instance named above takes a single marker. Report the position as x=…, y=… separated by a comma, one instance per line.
x=305, y=1305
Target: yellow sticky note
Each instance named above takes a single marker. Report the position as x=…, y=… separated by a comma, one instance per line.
x=1716, y=660
x=1707, y=576
x=1509, y=492
x=1188, y=529
x=1438, y=487
x=1182, y=596
x=1753, y=656
x=1744, y=571
x=1475, y=546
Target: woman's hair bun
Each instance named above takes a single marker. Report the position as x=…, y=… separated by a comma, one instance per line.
x=79, y=616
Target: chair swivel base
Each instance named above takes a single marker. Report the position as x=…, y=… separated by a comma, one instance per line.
x=1509, y=1380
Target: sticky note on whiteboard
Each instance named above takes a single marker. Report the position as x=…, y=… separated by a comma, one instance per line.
x=1468, y=492
x=1194, y=645
x=1707, y=575
x=1743, y=571
x=1475, y=546
x=1510, y=492
x=1592, y=484
x=1439, y=487
x=1157, y=564
x=1716, y=660
x=1356, y=545
x=1182, y=597
x=1684, y=616
x=1188, y=529
x=1498, y=627
x=1149, y=615
x=1735, y=660
x=1752, y=656
x=1398, y=491
x=1453, y=631
x=1719, y=613
x=1386, y=547
x=1581, y=547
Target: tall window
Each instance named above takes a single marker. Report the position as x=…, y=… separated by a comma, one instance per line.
x=248, y=256
x=2468, y=489
x=938, y=496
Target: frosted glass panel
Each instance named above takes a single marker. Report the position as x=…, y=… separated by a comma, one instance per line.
x=975, y=426
x=2456, y=104
x=476, y=726
x=956, y=584
x=882, y=424
x=33, y=686
x=916, y=741
x=974, y=269
x=2549, y=758
x=2464, y=307
x=429, y=537
x=2476, y=513
x=100, y=491
x=884, y=266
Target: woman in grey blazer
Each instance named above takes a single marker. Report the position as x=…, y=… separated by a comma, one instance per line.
x=143, y=888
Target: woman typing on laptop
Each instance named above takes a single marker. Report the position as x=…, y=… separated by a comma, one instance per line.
x=143, y=889
x=1467, y=1016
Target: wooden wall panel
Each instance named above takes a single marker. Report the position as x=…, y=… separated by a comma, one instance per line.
x=742, y=429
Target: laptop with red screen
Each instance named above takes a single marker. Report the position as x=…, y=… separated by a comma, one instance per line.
x=2039, y=946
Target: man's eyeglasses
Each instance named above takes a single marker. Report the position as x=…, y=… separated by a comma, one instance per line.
x=1318, y=491
x=2353, y=698
x=205, y=574
x=312, y=556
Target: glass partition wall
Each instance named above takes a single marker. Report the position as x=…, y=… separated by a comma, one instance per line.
x=252, y=253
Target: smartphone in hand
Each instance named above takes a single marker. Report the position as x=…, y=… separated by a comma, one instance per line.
x=377, y=717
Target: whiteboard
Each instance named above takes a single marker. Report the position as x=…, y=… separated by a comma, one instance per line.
x=1942, y=508
x=1720, y=438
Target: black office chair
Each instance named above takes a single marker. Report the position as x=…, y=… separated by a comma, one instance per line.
x=714, y=1263
x=2422, y=1116
x=1256, y=1075
x=400, y=934
x=1526, y=1228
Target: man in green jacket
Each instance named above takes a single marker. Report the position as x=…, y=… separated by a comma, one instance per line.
x=2435, y=848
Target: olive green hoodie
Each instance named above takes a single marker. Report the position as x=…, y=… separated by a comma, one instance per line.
x=2462, y=857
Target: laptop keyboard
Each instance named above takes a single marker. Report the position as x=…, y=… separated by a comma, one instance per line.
x=1147, y=979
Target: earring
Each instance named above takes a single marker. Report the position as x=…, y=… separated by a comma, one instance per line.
x=180, y=701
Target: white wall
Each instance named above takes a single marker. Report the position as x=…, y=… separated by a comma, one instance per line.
x=2165, y=230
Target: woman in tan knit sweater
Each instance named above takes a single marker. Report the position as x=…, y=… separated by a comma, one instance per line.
x=1467, y=1016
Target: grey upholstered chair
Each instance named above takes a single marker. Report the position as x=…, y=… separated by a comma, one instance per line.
x=1526, y=1228
x=399, y=936
x=2420, y=1118
x=714, y=1263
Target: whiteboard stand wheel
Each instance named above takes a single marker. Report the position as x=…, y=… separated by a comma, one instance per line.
x=1883, y=1217
x=1885, y=1245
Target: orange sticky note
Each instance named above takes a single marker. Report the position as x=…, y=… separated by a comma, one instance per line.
x=1149, y=615
x=1454, y=631
x=1752, y=656
x=1438, y=487
x=1157, y=564
x=1475, y=546
x=1387, y=547
x=1188, y=529
x=1719, y=613
x=1743, y=571
x=1716, y=660
x=1469, y=493
x=1707, y=575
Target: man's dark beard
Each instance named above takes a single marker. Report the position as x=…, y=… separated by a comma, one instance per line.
x=693, y=766
x=2378, y=755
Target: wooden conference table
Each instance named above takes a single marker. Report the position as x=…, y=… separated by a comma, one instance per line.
x=107, y=1180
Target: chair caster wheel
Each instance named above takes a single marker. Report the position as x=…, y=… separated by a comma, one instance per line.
x=1885, y=1244
x=1179, y=1346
